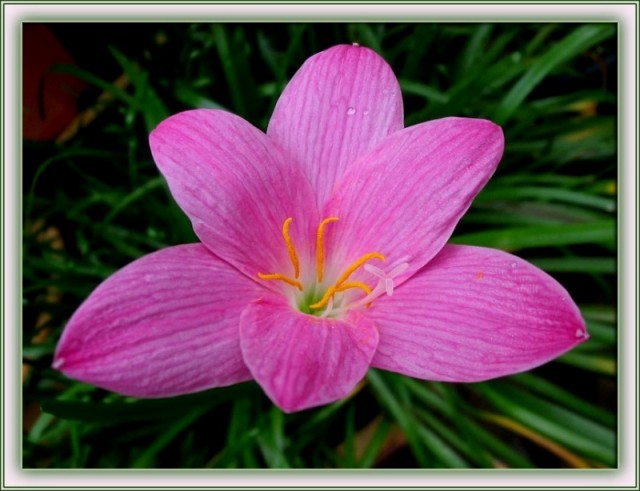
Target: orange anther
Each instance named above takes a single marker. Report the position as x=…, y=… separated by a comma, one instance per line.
x=320, y=246
x=290, y=247
x=281, y=277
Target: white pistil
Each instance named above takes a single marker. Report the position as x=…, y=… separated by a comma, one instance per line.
x=385, y=285
x=386, y=279
x=329, y=310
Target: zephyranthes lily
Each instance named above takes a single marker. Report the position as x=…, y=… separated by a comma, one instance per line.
x=323, y=253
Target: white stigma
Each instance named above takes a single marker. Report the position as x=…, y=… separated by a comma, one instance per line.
x=385, y=285
x=386, y=279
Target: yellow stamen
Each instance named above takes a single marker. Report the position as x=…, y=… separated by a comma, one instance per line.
x=290, y=247
x=320, y=246
x=356, y=265
x=342, y=283
x=324, y=300
x=354, y=284
x=281, y=277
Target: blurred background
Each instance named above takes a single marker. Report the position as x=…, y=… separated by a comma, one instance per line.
x=94, y=201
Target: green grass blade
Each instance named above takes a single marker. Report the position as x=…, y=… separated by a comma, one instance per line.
x=606, y=265
x=581, y=39
x=513, y=239
x=564, y=397
x=592, y=362
x=556, y=423
x=147, y=458
x=144, y=409
x=404, y=418
x=373, y=449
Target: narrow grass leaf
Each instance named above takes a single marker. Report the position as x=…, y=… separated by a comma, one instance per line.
x=492, y=193
x=561, y=452
x=503, y=453
x=147, y=458
x=512, y=239
x=581, y=39
x=606, y=265
x=446, y=454
x=403, y=417
x=376, y=444
x=588, y=438
x=142, y=410
x=555, y=393
x=597, y=363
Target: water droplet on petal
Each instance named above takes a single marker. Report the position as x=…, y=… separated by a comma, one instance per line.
x=355, y=44
x=351, y=111
x=365, y=112
x=579, y=333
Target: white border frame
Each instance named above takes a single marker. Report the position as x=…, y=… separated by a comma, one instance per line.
x=625, y=14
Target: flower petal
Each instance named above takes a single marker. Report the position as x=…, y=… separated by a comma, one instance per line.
x=338, y=105
x=303, y=361
x=237, y=187
x=406, y=196
x=164, y=325
x=473, y=314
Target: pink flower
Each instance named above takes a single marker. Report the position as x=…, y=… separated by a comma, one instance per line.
x=323, y=253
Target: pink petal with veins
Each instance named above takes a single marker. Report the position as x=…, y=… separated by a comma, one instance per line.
x=237, y=187
x=339, y=105
x=302, y=361
x=164, y=325
x=473, y=314
x=405, y=197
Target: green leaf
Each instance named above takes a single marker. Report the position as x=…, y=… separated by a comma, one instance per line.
x=135, y=195
x=576, y=264
x=494, y=193
x=145, y=99
x=192, y=98
x=403, y=417
x=232, y=48
x=503, y=452
x=422, y=90
x=581, y=39
x=94, y=80
x=147, y=458
x=559, y=424
x=374, y=447
x=529, y=381
x=513, y=239
x=447, y=454
x=593, y=362
x=271, y=440
x=464, y=445
x=142, y=410
x=474, y=49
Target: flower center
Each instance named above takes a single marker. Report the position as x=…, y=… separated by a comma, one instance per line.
x=318, y=299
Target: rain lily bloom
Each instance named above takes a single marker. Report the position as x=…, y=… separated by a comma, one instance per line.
x=323, y=253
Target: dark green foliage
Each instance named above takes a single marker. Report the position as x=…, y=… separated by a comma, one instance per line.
x=96, y=202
